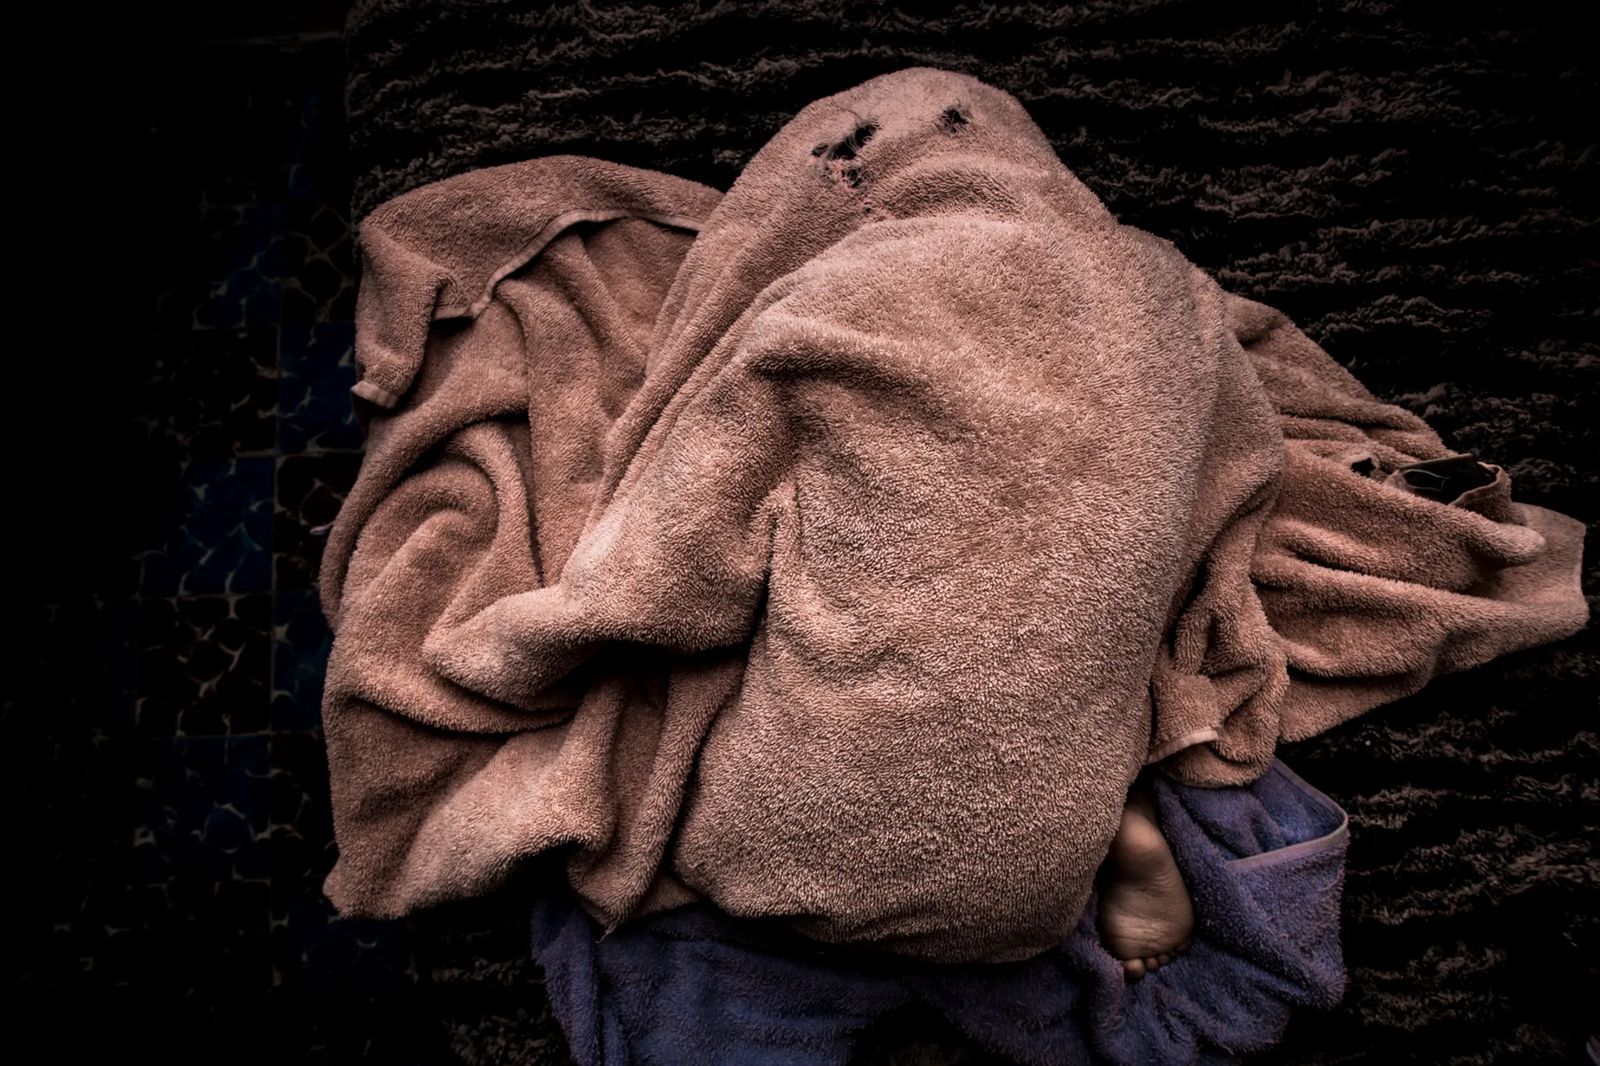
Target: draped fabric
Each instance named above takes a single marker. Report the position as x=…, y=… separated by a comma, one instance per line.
x=839, y=549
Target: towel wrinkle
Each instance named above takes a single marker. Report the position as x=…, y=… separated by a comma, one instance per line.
x=1069, y=508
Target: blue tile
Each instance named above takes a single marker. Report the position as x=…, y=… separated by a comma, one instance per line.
x=200, y=868
x=221, y=536
x=204, y=665
x=320, y=272
x=301, y=642
x=214, y=393
x=314, y=405
x=207, y=803
x=311, y=489
x=242, y=265
x=319, y=258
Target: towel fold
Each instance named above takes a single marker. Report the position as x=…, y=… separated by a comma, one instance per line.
x=1264, y=862
x=839, y=549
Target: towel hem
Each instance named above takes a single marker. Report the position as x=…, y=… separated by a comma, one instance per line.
x=1188, y=740
x=1334, y=838
x=375, y=393
x=551, y=230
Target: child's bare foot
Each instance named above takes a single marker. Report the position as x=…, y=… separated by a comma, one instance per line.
x=1145, y=914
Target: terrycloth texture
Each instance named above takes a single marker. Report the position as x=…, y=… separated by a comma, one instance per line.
x=943, y=504
x=1265, y=864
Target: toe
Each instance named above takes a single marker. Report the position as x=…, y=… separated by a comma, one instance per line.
x=1151, y=964
x=1163, y=959
x=1134, y=968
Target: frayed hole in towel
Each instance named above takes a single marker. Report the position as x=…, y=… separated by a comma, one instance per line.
x=953, y=119
x=857, y=140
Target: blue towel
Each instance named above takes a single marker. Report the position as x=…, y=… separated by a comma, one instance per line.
x=1264, y=864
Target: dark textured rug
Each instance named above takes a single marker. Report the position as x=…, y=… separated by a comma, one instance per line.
x=1418, y=186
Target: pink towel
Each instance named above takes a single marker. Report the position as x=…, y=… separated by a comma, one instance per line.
x=840, y=548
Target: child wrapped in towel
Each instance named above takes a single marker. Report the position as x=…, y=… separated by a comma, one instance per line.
x=839, y=550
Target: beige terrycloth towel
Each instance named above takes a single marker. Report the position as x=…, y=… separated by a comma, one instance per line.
x=840, y=548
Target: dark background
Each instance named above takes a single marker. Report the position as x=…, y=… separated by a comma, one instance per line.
x=1417, y=185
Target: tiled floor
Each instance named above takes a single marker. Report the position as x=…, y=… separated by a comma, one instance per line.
x=190, y=904
x=232, y=640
